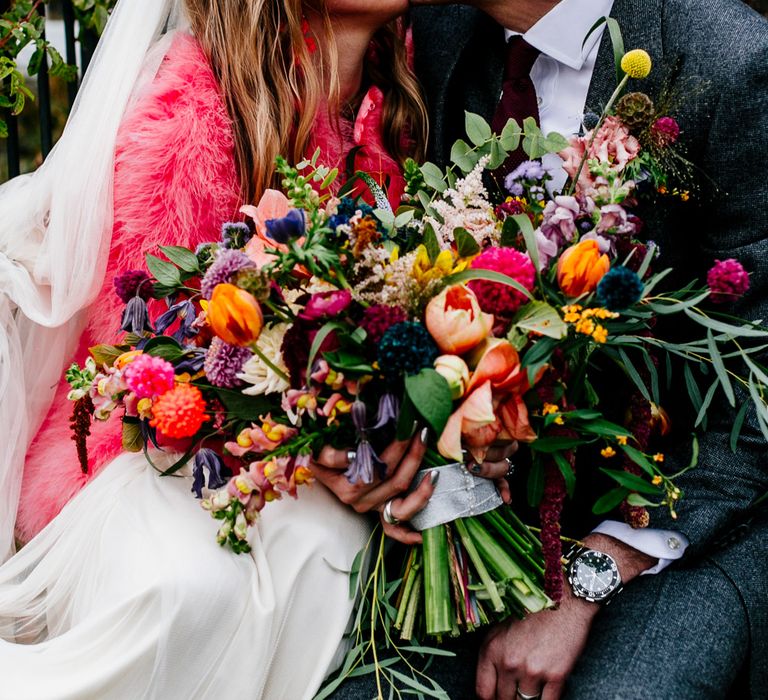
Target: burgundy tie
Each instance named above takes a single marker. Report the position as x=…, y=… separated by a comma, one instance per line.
x=518, y=97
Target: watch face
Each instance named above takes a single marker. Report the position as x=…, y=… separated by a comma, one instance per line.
x=594, y=575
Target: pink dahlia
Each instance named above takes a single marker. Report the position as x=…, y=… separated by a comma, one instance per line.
x=727, y=280
x=501, y=299
x=148, y=376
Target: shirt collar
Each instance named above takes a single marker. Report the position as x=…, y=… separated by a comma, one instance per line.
x=560, y=33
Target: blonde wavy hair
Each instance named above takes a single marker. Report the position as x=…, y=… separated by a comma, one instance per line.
x=274, y=87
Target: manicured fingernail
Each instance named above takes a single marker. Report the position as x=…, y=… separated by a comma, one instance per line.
x=476, y=469
x=434, y=476
x=424, y=436
x=413, y=429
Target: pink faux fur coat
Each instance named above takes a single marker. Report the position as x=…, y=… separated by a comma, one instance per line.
x=176, y=182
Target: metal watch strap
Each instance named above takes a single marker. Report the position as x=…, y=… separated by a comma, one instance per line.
x=574, y=552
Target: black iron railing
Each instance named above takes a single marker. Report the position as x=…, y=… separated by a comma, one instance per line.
x=31, y=135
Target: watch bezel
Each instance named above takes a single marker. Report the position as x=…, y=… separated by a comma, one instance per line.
x=604, y=594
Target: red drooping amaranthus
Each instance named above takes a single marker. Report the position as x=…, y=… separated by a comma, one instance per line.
x=550, y=509
x=80, y=422
x=639, y=424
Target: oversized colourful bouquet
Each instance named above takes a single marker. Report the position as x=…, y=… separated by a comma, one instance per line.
x=481, y=316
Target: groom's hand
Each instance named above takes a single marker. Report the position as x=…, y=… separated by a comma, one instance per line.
x=537, y=654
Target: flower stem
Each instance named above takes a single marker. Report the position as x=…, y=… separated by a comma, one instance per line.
x=477, y=561
x=258, y=352
x=437, y=583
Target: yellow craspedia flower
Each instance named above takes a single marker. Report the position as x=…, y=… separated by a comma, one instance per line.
x=637, y=64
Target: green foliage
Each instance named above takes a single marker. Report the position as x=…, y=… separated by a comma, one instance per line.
x=21, y=26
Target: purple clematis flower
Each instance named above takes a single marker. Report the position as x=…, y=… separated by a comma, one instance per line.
x=206, y=460
x=389, y=410
x=185, y=311
x=366, y=459
x=136, y=317
x=192, y=361
x=361, y=469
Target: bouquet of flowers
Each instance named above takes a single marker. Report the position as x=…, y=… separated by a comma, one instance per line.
x=480, y=315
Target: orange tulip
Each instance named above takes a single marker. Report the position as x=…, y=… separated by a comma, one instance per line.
x=581, y=267
x=497, y=361
x=475, y=422
x=235, y=315
x=455, y=320
x=514, y=416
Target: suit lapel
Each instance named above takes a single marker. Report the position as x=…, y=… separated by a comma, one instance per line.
x=641, y=26
x=462, y=71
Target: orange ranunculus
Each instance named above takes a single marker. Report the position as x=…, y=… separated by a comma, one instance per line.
x=456, y=321
x=581, y=267
x=475, y=422
x=235, y=315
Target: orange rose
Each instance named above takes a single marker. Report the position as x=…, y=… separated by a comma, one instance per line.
x=235, y=315
x=581, y=267
x=455, y=320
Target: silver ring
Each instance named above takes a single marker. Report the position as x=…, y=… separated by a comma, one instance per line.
x=510, y=472
x=351, y=456
x=523, y=696
x=387, y=514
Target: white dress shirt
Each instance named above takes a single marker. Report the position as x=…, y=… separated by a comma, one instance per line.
x=562, y=75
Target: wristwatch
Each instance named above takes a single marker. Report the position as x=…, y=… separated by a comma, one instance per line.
x=593, y=575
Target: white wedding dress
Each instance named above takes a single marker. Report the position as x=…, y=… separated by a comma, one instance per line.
x=126, y=595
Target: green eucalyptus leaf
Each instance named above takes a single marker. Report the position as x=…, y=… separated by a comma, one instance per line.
x=433, y=177
x=511, y=135
x=463, y=155
x=478, y=130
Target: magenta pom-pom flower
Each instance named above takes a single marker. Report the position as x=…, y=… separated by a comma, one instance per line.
x=131, y=283
x=379, y=318
x=665, y=131
x=148, y=376
x=501, y=299
x=727, y=280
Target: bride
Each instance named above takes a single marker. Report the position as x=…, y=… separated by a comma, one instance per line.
x=125, y=593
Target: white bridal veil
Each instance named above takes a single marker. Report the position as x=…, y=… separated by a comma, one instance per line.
x=55, y=228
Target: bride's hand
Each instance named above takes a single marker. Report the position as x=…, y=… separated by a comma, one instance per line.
x=403, y=459
x=497, y=466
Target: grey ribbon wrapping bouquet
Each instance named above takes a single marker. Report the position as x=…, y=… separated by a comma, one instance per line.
x=458, y=494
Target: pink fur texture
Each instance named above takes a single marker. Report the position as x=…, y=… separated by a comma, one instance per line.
x=175, y=184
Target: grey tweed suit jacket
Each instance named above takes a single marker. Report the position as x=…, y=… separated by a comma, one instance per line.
x=715, y=52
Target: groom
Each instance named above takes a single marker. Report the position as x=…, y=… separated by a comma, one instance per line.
x=684, y=630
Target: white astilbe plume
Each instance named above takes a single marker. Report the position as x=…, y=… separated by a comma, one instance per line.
x=256, y=372
x=386, y=281
x=466, y=206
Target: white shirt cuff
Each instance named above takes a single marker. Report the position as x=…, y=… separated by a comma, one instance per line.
x=665, y=545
